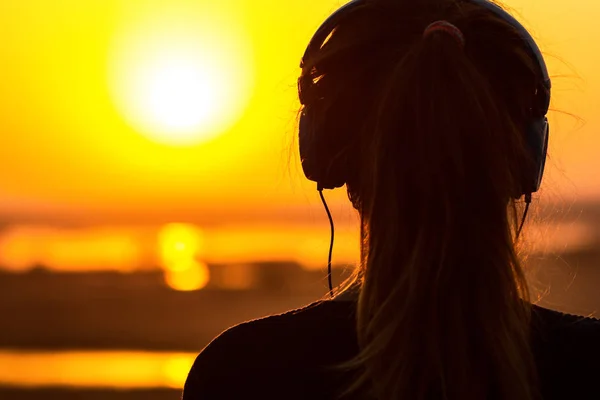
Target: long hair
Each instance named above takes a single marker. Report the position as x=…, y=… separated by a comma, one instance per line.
x=433, y=134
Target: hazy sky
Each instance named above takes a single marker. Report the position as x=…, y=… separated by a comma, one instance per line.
x=84, y=112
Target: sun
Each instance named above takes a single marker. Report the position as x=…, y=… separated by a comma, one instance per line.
x=182, y=99
x=182, y=94
x=181, y=80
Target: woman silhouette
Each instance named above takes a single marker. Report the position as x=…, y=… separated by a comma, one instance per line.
x=432, y=113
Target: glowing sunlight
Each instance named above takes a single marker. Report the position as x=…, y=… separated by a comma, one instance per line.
x=180, y=246
x=180, y=80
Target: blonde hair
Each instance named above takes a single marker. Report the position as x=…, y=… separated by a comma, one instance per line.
x=434, y=134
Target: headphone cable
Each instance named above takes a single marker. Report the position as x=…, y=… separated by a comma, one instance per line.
x=330, y=243
x=527, y=203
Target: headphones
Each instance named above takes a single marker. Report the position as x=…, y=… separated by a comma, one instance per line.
x=332, y=172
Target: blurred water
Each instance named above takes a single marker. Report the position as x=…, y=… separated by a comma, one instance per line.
x=94, y=369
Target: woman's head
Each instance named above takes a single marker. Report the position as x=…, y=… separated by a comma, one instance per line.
x=351, y=60
x=431, y=138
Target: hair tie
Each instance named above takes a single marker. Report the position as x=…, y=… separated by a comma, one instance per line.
x=447, y=27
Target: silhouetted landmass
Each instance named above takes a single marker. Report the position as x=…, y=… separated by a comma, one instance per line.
x=111, y=310
x=67, y=394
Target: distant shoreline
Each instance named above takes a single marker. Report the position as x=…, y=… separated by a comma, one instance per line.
x=76, y=394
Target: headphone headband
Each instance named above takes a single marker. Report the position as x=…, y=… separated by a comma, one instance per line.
x=354, y=5
x=326, y=27
x=528, y=39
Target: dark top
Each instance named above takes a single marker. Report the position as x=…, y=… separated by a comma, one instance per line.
x=283, y=356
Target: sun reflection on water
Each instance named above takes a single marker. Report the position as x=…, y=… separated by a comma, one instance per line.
x=95, y=369
x=180, y=248
x=187, y=276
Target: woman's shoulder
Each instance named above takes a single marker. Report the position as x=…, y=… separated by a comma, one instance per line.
x=566, y=333
x=264, y=351
x=273, y=328
x=558, y=324
x=567, y=351
x=565, y=336
x=250, y=336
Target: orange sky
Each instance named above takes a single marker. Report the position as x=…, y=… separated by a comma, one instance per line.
x=68, y=152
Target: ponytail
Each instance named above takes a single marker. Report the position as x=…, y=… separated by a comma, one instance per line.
x=443, y=307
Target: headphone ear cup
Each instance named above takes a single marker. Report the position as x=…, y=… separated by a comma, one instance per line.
x=306, y=141
x=537, y=138
x=318, y=164
x=545, y=129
